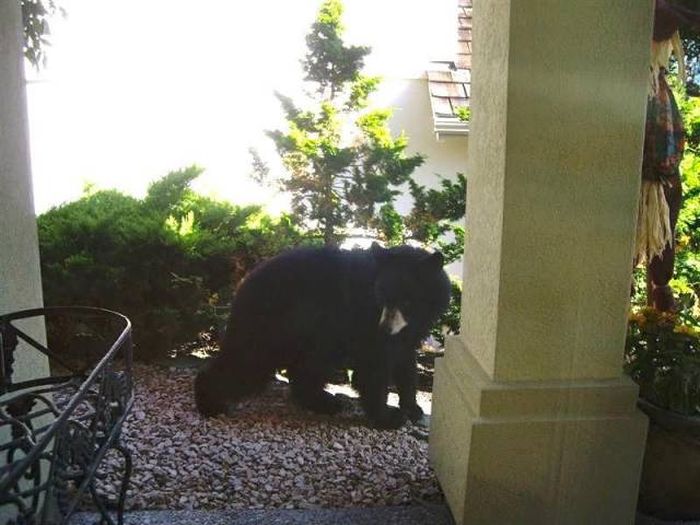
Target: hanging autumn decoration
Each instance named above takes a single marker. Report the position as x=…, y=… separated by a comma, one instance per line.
x=664, y=142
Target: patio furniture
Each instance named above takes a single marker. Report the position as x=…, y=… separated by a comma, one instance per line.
x=56, y=430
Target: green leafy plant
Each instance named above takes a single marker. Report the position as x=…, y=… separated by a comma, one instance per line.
x=661, y=356
x=686, y=281
x=450, y=320
x=169, y=261
x=464, y=113
x=436, y=217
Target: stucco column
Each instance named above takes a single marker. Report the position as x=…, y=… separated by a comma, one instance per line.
x=533, y=421
x=20, y=279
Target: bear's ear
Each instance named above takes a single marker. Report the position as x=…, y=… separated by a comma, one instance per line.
x=434, y=261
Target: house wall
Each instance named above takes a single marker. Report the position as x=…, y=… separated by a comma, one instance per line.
x=20, y=278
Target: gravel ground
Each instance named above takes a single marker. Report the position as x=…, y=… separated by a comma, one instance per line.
x=267, y=453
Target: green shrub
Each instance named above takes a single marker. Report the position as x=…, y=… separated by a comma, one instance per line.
x=661, y=356
x=448, y=323
x=167, y=261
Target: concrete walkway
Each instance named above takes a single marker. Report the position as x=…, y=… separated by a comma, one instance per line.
x=646, y=520
x=428, y=514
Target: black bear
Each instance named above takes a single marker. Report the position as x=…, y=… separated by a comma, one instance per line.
x=313, y=310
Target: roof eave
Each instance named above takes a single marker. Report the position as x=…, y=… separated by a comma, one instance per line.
x=448, y=126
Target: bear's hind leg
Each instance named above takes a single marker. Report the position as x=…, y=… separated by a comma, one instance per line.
x=225, y=380
x=308, y=391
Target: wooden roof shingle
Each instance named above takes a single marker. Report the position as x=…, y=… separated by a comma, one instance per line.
x=449, y=82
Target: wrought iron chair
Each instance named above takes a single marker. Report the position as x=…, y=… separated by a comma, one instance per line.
x=55, y=430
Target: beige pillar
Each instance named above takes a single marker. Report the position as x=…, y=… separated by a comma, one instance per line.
x=20, y=278
x=533, y=421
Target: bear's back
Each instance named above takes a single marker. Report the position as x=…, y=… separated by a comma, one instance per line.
x=313, y=283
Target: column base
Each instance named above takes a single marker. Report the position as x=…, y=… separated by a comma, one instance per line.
x=534, y=452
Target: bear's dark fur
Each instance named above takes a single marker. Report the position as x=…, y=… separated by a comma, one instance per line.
x=313, y=310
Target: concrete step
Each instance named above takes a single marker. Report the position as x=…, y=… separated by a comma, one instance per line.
x=427, y=514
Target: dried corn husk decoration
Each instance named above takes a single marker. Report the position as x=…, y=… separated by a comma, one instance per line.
x=654, y=232
x=663, y=150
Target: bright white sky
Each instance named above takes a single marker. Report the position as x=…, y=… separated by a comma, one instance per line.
x=137, y=88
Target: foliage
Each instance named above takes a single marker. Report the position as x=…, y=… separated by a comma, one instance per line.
x=691, y=43
x=35, y=21
x=168, y=261
x=686, y=280
x=434, y=220
x=342, y=163
x=661, y=355
x=437, y=215
x=450, y=320
x=464, y=113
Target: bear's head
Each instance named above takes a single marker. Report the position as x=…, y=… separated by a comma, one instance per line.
x=411, y=287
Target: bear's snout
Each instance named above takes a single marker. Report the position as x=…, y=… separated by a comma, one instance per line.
x=392, y=320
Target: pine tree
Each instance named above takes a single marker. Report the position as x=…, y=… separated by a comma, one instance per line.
x=343, y=166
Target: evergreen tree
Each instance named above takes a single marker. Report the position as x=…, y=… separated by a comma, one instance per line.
x=343, y=165
x=436, y=217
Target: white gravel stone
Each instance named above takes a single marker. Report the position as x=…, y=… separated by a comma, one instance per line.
x=267, y=453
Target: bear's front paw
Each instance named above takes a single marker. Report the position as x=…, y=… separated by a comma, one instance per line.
x=413, y=412
x=389, y=418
